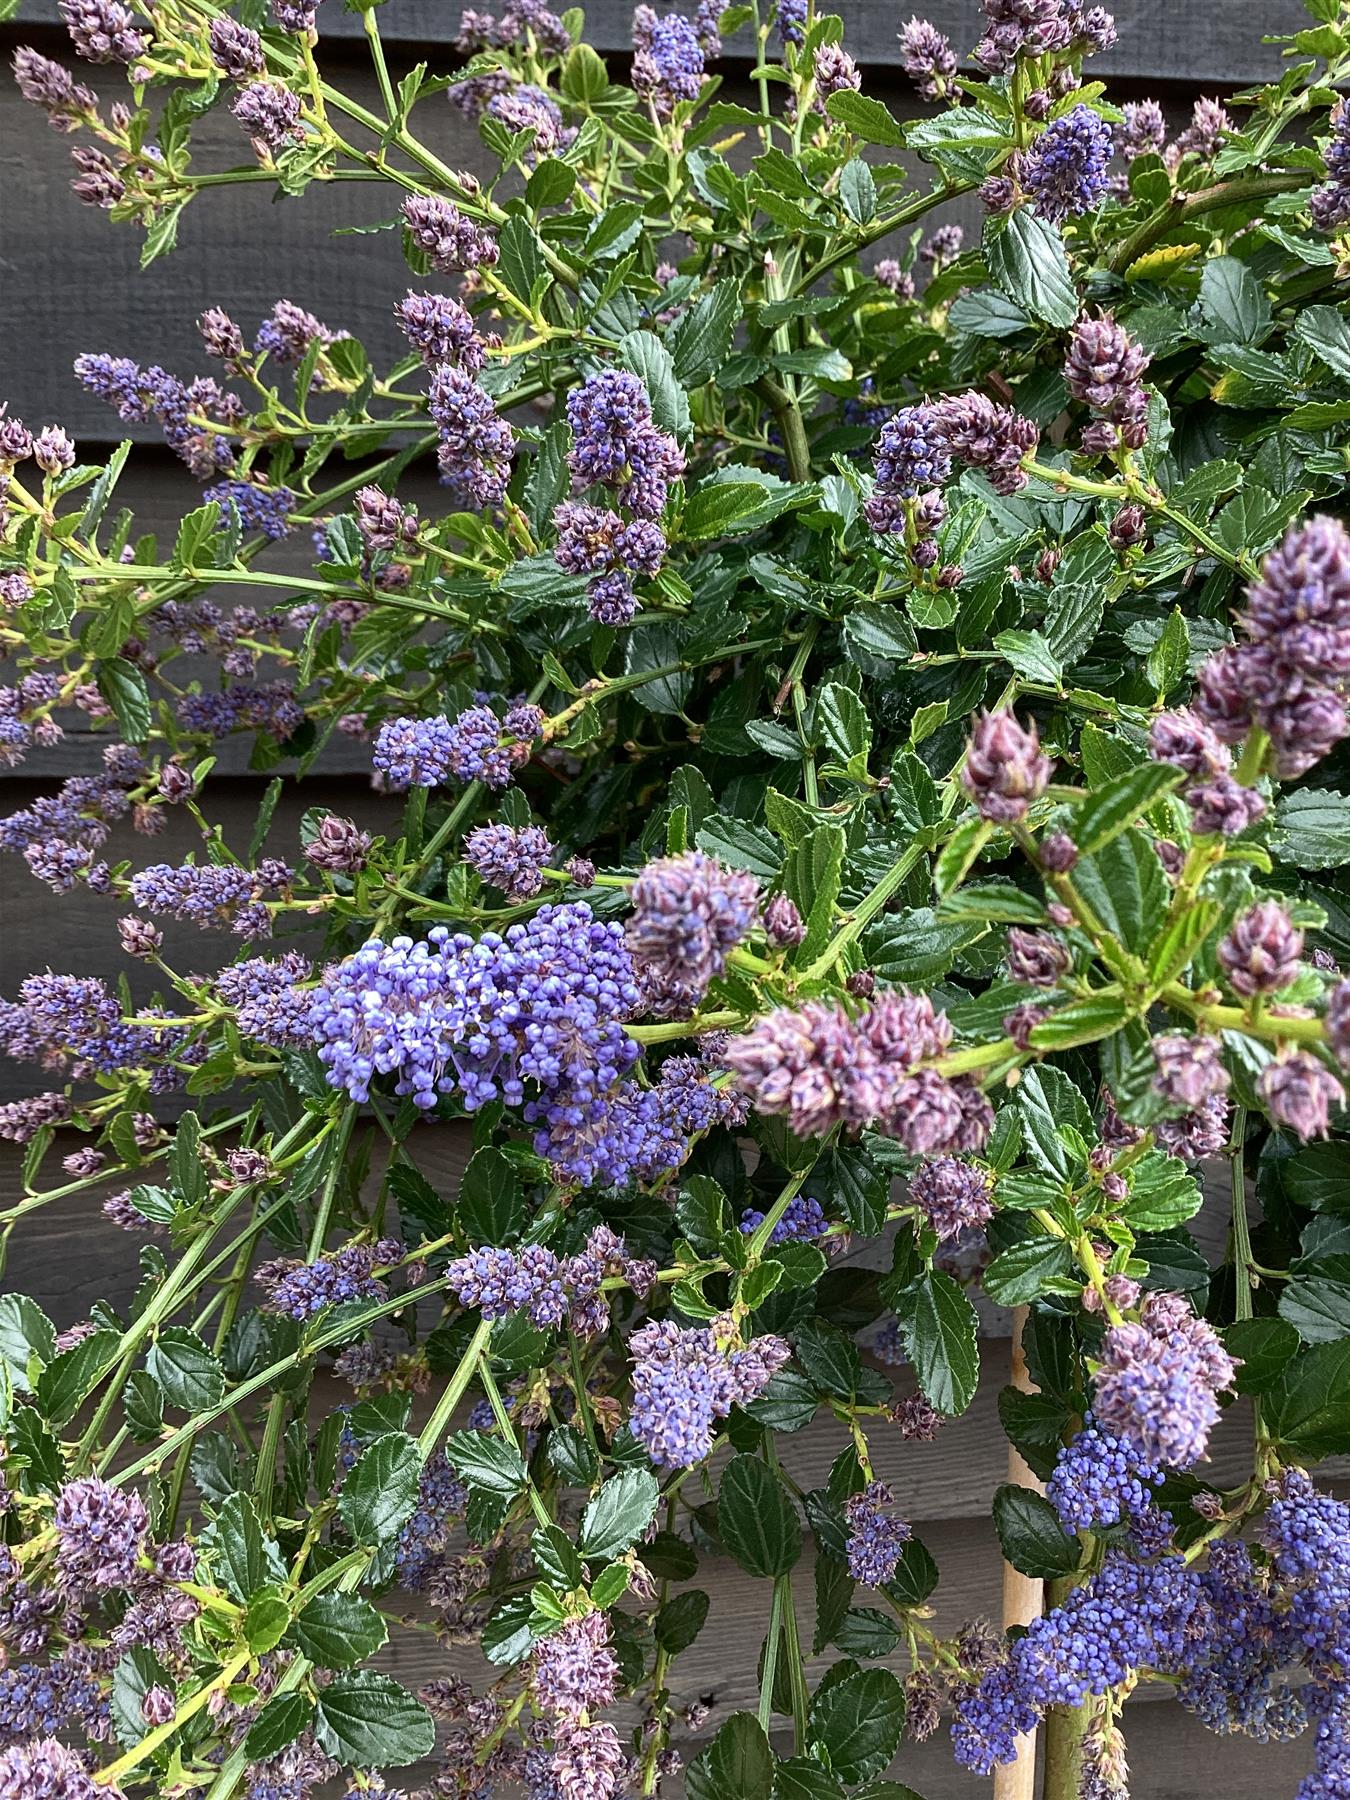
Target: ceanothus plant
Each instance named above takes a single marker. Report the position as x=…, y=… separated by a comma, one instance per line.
x=860, y=746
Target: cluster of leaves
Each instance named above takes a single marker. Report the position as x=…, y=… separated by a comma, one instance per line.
x=793, y=698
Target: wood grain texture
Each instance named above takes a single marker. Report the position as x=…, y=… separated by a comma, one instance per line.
x=1181, y=41
x=242, y=248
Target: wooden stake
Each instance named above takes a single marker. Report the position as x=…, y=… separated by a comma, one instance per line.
x=1023, y=1595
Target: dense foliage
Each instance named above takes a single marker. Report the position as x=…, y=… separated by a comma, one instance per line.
x=862, y=769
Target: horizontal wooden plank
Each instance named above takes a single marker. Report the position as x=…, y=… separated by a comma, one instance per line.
x=243, y=248
x=1169, y=40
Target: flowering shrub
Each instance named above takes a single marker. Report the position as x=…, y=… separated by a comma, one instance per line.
x=859, y=748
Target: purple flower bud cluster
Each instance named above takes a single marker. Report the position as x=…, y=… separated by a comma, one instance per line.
x=616, y=442
x=542, y=1003
x=47, y=84
x=72, y=1023
x=1189, y=1069
x=913, y=457
x=835, y=72
x=288, y=331
x=272, y=708
x=1300, y=1093
x=1104, y=370
x=667, y=60
x=803, y=1220
x=989, y=437
x=450, y=242
x=876, y=1538
x=441, y=331
x=1032, y=28
x=300, y=1290
x=530, y=108
x=104, y=31
x=1005, y=769
x=823, y=1068
x=442, y=1500
x=573, y=1670
x=235, y=50
x=1219, y=804
x=683, y=1383
x=596, y=541
x=1037, y=958
x=45, y=1769
x=689, y=914
x=476, y=746
x=1262, y=952
x=139, y=394
x=1156, y=1385
x=1290, y=679
x=927, y=57
x=1330, y=202
x=1142, y=130
x=1099, y=1481
x=511, y=859
x=100, y=1534
x=1065, y=170
x=263, y=509
x=953, y=1196
x=632, y=1133
x=476, y=444
x=219, y=896
x=270, y=114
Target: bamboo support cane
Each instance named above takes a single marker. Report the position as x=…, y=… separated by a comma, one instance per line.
x=1023, y=1595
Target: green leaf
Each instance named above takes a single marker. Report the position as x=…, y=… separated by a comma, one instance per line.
x=719, y=509
x=137, y=1671
x=241, y=1557
x=584, y=78
x=490, y=1203
x=802, y=1778
x=618, y=1515
x=1318, y=1309
x=865, y=118
x=1119, y=802
x=1312, y=829
x=1307, y=1406
x=858, y=191
x=1047, y=1099
x=756, y=1521
x=812, y=876
x=741, y=846
x=1318, y=1177
x=73, y=1373
x=266, y=1621
x=1032, y=1537
x=1027, y=261
x=647, y=357
x=680, y=1620
x=486, y=1463
x=1020, y=1273
x=379, y=1495
x=337, y=1631
x=700, y=339
x=1326, y=333
x=123, y=686
x=27, y=1339
x=370, y=1721
x=279, y=1723
x=188, y=1372
x=1263, y=1347
x=737, y=1763
x=520, y=261
x=1232, y=309
x=939, y=1327
x=857, y=1721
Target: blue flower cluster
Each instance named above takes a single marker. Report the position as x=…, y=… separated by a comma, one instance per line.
x=1065, y=170
x=684, y=1382
x=476, y=746
x=542, y=1003
x=803, y=1220
x=1098, y=1481
x=303, y=1289
x=876, y=1538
